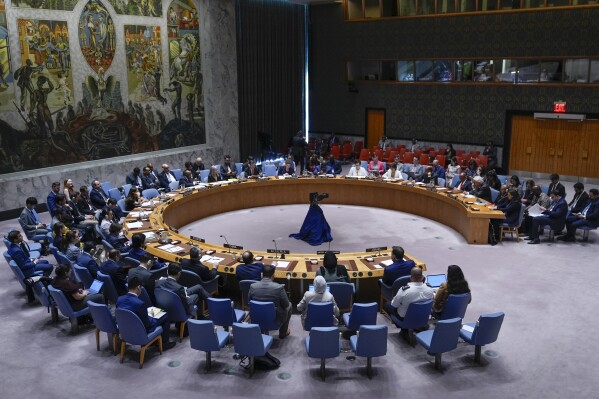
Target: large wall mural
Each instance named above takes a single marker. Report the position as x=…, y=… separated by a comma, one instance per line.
x=67, y=5
x=120, y=108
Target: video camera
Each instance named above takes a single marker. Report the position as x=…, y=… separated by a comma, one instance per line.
x=316, y=198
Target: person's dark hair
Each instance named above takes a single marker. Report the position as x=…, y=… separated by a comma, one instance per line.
x=133, y=283
x=113, y=254
x=330, y=261
x=456, y=282
x=194, y=252
x=472, y=162
x=62, y=270
x=557, y=192
x=145, y=258
x=530, y=183
x=554, y=176
x=67, y=240
x=137, y=240
x=594, y=191
x=578, y=186
x=12, y=236
x=514, y=193
x=268, y=271
x=453, y=159
x=115, y=229
x=174, y=269
x=83, y=189
x=397, y=252
x=88, y=246
x=516, y=180
x=31, y=201
x=136, y=170
x=60, y=198
x=57, y=228
x=247, y=257
x=111, y=201
x=450, y=145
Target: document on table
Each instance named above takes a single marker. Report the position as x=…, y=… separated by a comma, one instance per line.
x=215, y=260
x=171, y=248
x=281, y=263
x=386, y=263
x=134, y=225
x=133, y=215
x=535, y=210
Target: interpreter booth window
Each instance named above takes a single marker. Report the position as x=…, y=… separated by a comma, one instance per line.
x=388, y=70
x=407, y=7
x=463, y=71
x=533, y=3
x=558, y=3
x=528, y=71
x=509, y=4
x=487, y=5
x=551, y=71
x=466, y=5
x=405, y=71
x=583, y=2
x=424, y=71
x=443, y=71
x=506, y=70
x=594, y=75
x=363, y=70
x=576, y=71
x=426, y=7
x=483, y=71
x=390, y=8
x=354, y=9
x=372, y=9
x=445, y=6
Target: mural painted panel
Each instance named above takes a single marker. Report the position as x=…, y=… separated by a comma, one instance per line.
x=147, y=8
x=66, y=5
x=96, y=36
x=7, y=88
x=185, y=58
x=144, y=61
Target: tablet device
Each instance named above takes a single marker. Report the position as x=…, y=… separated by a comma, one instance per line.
x=95, y=287
x=435, y=280
x=311, y=288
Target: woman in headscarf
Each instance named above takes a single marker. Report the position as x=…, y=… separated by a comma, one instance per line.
x=320, y=294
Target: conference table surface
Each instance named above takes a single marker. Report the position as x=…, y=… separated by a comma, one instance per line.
x=164, y=216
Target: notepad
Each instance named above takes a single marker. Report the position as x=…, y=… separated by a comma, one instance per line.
x=155, y=312
x=211, y=259
x=281, y=263
x=386, y=262
x=134, y=225
x=468, y=328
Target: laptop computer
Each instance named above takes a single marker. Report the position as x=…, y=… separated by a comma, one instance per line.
x=311, y=288
x=95, y=287
x=435, y=280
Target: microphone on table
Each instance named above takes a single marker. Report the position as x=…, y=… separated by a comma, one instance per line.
x=227, y=241
x=276, y=250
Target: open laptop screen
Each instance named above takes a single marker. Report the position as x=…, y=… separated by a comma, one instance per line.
x=435, y=280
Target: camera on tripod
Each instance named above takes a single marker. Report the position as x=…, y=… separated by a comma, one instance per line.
x=316, y=198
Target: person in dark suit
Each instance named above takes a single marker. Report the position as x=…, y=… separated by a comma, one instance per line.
x=86, y=260
x=335, y=166
x=142, y=272
x=266, y=290
x=464, y=184
x=286, y=169
x=589, y=216
x=51, y=199
x=511, y=209
x=187, y=179
x=114, y=268
x=554, y=217
x=30, y=221
x=480, y=190
x=398, y=268
x=148, y=180
x=190, y=296
x=252, y=170
x=83, y=205
x=249, y=270
x=193, y=264
x=228, y=170
x=131, y=301
x=134, y=178
x=114, y=238
x=166, y=177
x=197, y=166
x=556, y=185
x=113, y=206
x=19, y=252
x=97, y=196
x=580, y=200
x=298, y=150
x=214, y=175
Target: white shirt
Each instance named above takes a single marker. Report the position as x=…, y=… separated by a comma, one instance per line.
x=361, y=172
x=396, y=175
x=413, y=292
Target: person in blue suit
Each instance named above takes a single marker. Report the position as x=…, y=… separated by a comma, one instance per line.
x=554, y=216
x=31, y=222
x=589, y=216
x=97, y=196
x=114, y=238
x=186, y=180
x=250, y=270
x=86, y=260
x=131, y=301
x=137, y=252
x=114, y=268
x=20, y=254
x=286, y=169
x=399, y=268
x=148, y=180
x=51, y=199
x=512, y=214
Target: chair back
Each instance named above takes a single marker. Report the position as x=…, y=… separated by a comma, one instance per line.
x=221, y=311
x=99, y=231
x=115, y=194
x=372, y=341
x=107, y=245
x=61, y=258
x=178, y=174
x=158, y=273
x=264, y=314
x=520, y=216
x=18, y=273
x=204, y=175
x=211, y=286
x=131, y=261
x=319, y=314
x=121, y=204
x=106, y=186
x=61, y=301
x=108, y=289
x=189, y=278
x=84, y=275
x=494, y=194
x=323, y=342
x=42, y=295
x=398, y=283
x=502, y=178
x=455, y=180
x=244, y=286
x=248, y=340
x=487, y=328
x=202, y=336
x=445, y=335
x=7, y=257
x=126, y=188
x=131, y=328
x=150, y=193
x=145, y=297
x=102, y=317
x=170, y=302
x=174, y=185
x=455, y=306
x=239, y=166
x=343, y=294
x=362, y=314
x=269, y=170
x=418, y=314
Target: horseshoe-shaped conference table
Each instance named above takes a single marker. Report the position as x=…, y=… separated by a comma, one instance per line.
x=468, y=216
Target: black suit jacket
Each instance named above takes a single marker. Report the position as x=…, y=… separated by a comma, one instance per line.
x=582, y=202
x=194, y=265
x=484, y=192
x=132, y=179
x=149, y=181
x=164, y=179
x=172, y=285
x=560, y=187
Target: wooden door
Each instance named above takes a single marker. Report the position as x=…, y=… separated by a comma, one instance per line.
x=375, y=126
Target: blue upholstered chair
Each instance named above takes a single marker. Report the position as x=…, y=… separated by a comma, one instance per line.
x=361, y=314
x=42, y=295
x=369, y=342
x=455, y=306
x=388, y=292
x=108, y=288
x=174, y=185
x=178, y=174
x=104, y=322
x=203, y=336
x=323, y=343
x=265, y=315
x=494, y=194
x=443, y=338
x=99, y=231
x=239, y=166
x=83, y=275
x=250, y=342
x=115, y=194
x=7, y=257
x=107, y=246
x=512, y=229
x=131, y=261
x=133, y=332
x=126, y=188
x=343, y=294
x=244, y=287
x=455, y=180
x=441, y=182
x=106, y=186
x=502, y=179
x=319, y=314
x=150, y=193
x=66, y=309
x=171, y=303
x=585, y=231
x=416, y=316
x=484, y=331
x=204, y=175
x=222, y=312
x=145, y=297
x=121, y=204
x=269, y=170
x=21, y=279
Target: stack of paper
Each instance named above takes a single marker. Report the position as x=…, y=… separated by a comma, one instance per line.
x=281, y=264
x=171, y=248
x=134, y=225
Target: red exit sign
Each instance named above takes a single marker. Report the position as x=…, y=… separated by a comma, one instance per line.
x=559, y=106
